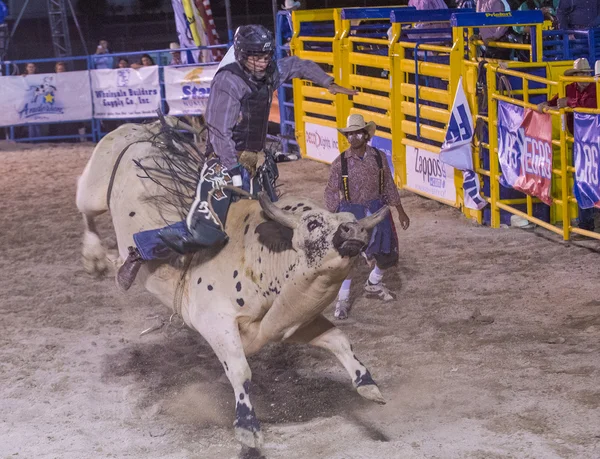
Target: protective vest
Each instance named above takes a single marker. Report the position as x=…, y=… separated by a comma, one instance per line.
x=250, y=133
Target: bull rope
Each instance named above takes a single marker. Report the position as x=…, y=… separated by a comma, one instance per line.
x=116, y=166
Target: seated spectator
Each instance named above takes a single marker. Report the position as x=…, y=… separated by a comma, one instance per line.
x=577, y=95
x=175, y=55
x=145, y=61
x=103, y=62
x=549, y=12
x=488, y=34
x=577, y=14
x=30, y=69
x=60, y=67
x=123, y=63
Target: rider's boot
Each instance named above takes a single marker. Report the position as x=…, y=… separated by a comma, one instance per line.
x=128, y=270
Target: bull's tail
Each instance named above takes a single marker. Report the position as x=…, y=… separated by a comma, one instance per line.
x=95, y=259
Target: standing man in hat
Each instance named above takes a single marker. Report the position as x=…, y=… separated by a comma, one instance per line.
x=578, y=94
x=237, y=116
x=360, y=182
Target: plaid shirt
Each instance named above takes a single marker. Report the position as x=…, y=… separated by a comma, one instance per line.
x=363, y=181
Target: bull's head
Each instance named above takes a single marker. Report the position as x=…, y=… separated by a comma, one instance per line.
x=317, y=231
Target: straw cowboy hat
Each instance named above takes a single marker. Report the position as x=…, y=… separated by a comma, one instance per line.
x=290, y=5
x=356, y=122
x=581, y=65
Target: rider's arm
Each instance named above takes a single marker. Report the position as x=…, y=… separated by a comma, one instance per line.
x=222, y=113
x=294, y=67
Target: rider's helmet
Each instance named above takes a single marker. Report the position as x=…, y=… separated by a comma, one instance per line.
x=255, y=40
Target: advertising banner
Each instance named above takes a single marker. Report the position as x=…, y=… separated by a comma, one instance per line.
x=586, y=158
x=125, y=93
x=425, y=172
x=321, y=142
x=187, y=89
x=384, y=146
x=525, y=150
x=46, y=97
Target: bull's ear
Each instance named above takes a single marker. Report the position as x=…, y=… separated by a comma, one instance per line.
x=371, y=221
x=287, y=219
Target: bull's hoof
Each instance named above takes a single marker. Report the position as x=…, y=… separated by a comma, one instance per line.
x=249, y=438
x=371, y=392
x=97, y=267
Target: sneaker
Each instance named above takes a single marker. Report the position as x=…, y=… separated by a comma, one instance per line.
x=342, y=308
x=380, y=290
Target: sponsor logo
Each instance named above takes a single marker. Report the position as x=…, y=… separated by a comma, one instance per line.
x=194, y=91
x=41, y=100
x=431, y=169
x=314, y=138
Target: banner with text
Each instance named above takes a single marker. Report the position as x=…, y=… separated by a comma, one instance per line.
x=384, y=146
x=125, y=93
x=425, y=172
x=525, y=150
x=187, y=89
x=586, y=158
x=321, y=142
x=46, y=97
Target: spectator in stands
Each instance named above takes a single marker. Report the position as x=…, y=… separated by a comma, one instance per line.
x=30, y=69
x=577, y=95
x=367, y=187
x=549, y=12
x=175, y=55
x=100, y=61
x=145, y=61
x=60, y=67
x=123, y=63
x=466, y=4
x=488, y=34
x=577, y=14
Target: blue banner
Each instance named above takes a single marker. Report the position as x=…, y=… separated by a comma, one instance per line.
x=384, y=146
x=586, y=158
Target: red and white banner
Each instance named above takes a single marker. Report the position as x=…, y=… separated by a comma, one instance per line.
x=525, y=150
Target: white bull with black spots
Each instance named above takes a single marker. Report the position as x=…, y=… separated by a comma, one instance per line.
x=283, y=265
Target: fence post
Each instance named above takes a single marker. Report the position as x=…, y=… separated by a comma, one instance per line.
x=564, y=168
x=493, y=146
x=397, y=79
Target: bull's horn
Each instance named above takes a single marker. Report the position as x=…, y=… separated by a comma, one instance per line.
x=286, y=219
x=372, y=220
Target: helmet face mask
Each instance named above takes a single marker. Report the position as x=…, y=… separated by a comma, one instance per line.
x=254, y=47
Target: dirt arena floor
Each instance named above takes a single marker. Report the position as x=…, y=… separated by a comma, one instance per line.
x=77, y=380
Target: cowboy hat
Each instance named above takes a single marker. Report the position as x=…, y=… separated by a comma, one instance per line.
x=597, y=67
x=290, y=5
x=174, y=45
x=356, y=122
x=580, y=65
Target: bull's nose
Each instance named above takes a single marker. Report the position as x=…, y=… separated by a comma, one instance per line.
x=350, y=238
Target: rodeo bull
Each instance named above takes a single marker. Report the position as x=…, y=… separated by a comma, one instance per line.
x=282, y=266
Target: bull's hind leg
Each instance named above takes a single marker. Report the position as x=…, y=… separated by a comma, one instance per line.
x=322, y=333
x=221, y=332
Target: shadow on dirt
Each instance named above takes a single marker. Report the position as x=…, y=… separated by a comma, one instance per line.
x=286, y=385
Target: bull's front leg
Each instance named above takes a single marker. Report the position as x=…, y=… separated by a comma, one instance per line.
x=322, y=333
x=221, y=332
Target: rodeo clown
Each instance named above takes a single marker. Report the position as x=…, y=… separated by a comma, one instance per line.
x=360, y=182
x=237, y=116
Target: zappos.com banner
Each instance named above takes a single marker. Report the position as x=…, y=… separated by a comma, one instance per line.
x=46, y=97
x=125, y=93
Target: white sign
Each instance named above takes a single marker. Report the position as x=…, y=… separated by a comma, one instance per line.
x=187, y=89
x=46, y=97
x=425, y=172
x=125, y=93
x=321, y=142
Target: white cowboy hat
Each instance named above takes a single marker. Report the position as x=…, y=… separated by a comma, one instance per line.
x=174, y=45
x=290, y=5
x=357, y=122
x=597, y=68
x=580, y=65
